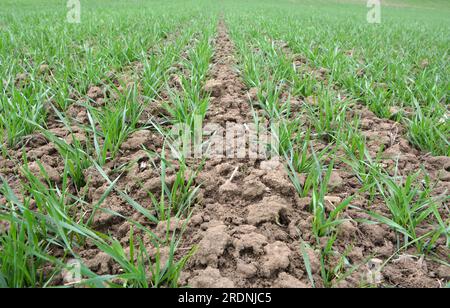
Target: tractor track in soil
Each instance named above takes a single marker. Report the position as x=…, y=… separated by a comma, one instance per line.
x=245, y=224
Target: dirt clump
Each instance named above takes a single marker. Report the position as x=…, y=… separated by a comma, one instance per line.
x=287, y=281
x=268, y=210
x=44, y=171
x=213, y=245
x=276, y=258
x=210, y=278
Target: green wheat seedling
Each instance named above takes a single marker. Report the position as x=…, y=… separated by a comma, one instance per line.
x=56, y=203
x=199, y=59
x=17, y=109
x=331, y=271
x=325, y=223
x=141, y=265
x=36, y=226
x=111, y=125
x=74, y=153
x=19, y=265
x=33, y=233
x=328, y=116
x=356, y=60
x=430, y=130
x=324, y=226
x=301, y=161
x=350, y=138
x=138, y=268
x=187, y=105
x=285, y=133
x=365, y=167
x=442, y=229
x=76, y=160
x=177, y=198
x=159, y=63
x=409, y=204
x=183, y=109
x=26, y=247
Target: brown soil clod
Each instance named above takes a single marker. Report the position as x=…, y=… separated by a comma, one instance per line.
x=246, y=203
